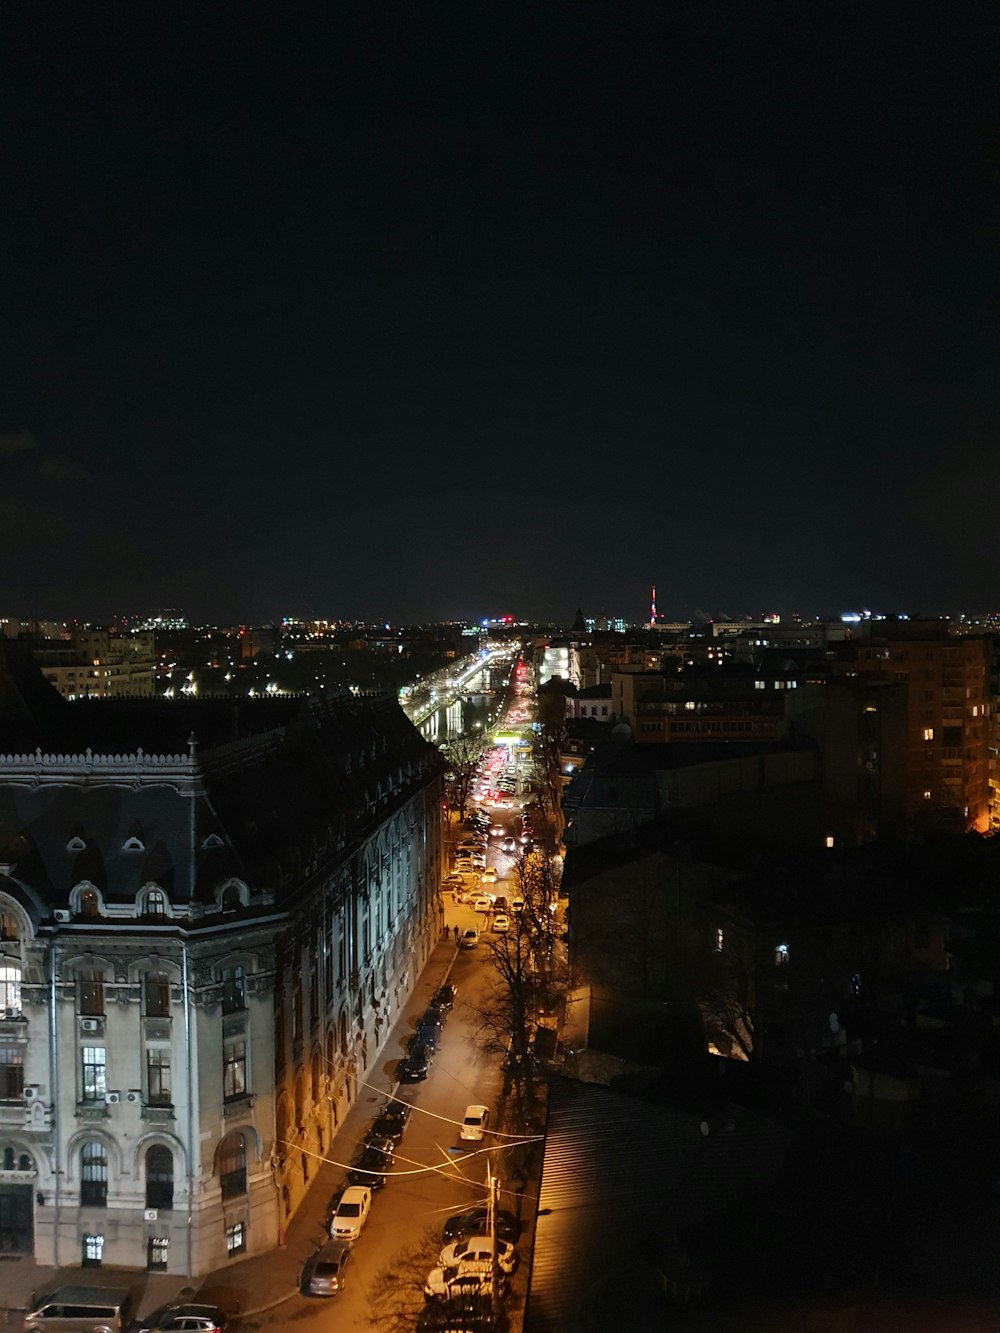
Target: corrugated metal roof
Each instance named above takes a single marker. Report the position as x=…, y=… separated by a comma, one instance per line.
x=612, y=1166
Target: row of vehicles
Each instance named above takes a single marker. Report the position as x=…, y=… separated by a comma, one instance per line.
x=350, y=1206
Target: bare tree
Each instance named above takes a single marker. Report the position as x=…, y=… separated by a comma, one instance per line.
x=462, y=757
x=528, y=983
x=396, y=1293
x=729, y=998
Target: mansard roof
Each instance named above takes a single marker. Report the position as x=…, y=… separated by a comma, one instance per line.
x=111, y=791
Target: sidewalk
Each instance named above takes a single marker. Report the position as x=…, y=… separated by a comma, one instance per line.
x=265, y=1280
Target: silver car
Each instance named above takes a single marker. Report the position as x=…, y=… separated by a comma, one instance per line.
x=327, y=1276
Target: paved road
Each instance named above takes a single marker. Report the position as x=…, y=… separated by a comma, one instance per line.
x=413, y=1205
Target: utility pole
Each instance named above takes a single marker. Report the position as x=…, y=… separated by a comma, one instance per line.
x=493, y=1188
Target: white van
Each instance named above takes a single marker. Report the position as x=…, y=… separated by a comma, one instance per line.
x=81, y=1310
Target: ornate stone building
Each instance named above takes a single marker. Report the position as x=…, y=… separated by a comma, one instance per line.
x=210, y=916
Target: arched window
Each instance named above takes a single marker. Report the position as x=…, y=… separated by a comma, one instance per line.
x=159, y=1177
x=230, y=898
x=8, y=1159
x=93, y=1175
x=233, y=1166
x=24, y=1163
x=90, y=904
x=8, y=926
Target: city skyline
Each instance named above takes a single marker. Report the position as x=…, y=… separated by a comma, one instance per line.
x=443, y=313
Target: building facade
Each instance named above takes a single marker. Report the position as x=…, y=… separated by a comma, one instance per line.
x=202, y=950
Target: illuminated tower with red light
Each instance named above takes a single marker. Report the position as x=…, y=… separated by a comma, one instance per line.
x=652, y=607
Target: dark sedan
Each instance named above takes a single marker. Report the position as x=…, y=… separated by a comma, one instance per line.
x=473, y=1222
x=413, y=1067
x=427, y=1035
x=444, y=997
x=369, y=1169
x=432, y=1017
x=390, y=1122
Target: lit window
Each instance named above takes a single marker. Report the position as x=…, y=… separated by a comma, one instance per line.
x=156, y=903
x=927, y=796
x=781, y=955
x=829, y=840
x=93, y=1250
x=234, y=1073
x=720, y=939
x=928, y=733
x=157, y=1251
x=95, y=1077
x=236, y=1238
x=10, y=991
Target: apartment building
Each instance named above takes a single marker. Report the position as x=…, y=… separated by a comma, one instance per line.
x=210, y=917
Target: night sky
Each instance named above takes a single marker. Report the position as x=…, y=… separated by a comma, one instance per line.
x=417, y=310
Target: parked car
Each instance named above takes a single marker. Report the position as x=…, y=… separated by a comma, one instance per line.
x=428, y=1034
x=500, y=904
x=449, y=1283
x=517, y=904
x=489, y=875
x=370, y=1169
x=352, y=1213
x=415, y=1064
x=327, y=1275
x=478, y=1251
x=475, y=1221
x=484, y=903
x=475, y=1122
x=501, y=923
x=469, y=939
x=459, y=1314
x=445, y=996
x=196, y=1318
x=390, y=1122
x=431, y=1017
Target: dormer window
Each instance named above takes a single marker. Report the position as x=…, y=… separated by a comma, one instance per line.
x=156, y=903
x=212, y=842
x=133, y=845
x=89, y=903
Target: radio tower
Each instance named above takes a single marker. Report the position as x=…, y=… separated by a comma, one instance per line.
x=652, y=607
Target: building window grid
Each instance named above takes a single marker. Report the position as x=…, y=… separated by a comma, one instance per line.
x=11, y=1074
x=156, y=986
x=95, y=1076
x=10, y=990
x=93, y=1175
x=158, y=1081
x=91, y=992
x=234, y=994
x=234, y=1077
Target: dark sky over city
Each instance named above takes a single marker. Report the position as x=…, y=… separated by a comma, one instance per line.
x=423, y=310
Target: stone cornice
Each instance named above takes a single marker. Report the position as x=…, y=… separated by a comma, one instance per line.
x=121, y=767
